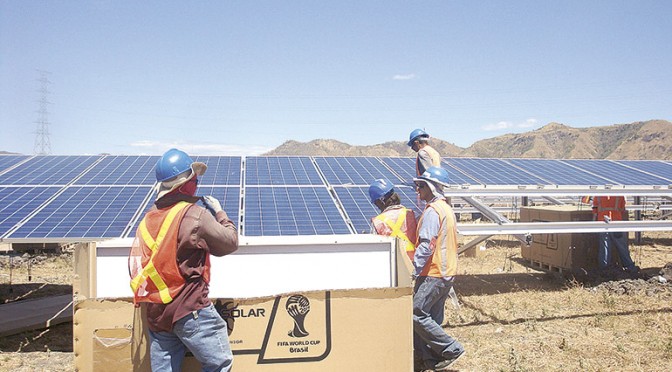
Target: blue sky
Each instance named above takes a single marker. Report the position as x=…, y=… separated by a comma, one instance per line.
x=242, y=77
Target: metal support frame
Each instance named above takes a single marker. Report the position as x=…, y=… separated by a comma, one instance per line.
x=522, y=228
x=493, y=216
x=554, y=200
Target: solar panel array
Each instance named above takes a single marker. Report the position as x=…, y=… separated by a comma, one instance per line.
x=75, y=198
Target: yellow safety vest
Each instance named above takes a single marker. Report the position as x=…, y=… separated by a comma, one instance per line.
x=398, y=223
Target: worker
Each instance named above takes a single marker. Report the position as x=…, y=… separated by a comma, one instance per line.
x=435, y=264
x=169, y=265
x=607, y=209
x=418, y=140
x=394, y=220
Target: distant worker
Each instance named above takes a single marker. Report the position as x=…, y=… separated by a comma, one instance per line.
x=418, y=140
x=435, y=263
x=607, y=209
x=169, y=266
x=394, y=220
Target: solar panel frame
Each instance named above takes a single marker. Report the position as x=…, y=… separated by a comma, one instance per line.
x=616, y=173
x=291, y=210
x=353, y=170
x=359, y=209
x=405, y=167
x=48, y=170
x=557, y=172
x=228, y=196
x=222, y=170
x=85, y=212
x=17, y=203
x=494, y=172
x=121, y=170
x=8, y=161
x=281, y=170
x=656, y=167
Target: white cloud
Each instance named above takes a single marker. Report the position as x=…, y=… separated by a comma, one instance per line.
x=403, y=77
x=207, y=149
x=529, y=123
x=502, y=125
x=499, y=126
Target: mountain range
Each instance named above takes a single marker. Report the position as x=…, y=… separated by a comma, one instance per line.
x=640, y=140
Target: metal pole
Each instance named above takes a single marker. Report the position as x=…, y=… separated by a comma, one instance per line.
x=638, y=217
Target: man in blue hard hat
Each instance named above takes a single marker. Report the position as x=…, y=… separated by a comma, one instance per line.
x=435, y=263
x=169, y=266
x=394, y=220
x=427, y=156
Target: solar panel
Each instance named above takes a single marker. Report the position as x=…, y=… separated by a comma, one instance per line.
x=281, y=170
x=222, y=170
x=406, y=168
x=494, y=172
x=8, y=161
x=617, y=173
x=557, y=172
x=229, y=197
x=353, y=170
x=16, y=203
x=273, y=211
x=85, y=212
x=121, y=170
x=48, y=170
x=360, y=211
x=658, y=168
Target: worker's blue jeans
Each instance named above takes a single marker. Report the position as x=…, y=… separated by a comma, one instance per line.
x=431, y=343
x=618, y=241
x=204, y=333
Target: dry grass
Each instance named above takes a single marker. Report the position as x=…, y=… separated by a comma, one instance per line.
x=512, y=318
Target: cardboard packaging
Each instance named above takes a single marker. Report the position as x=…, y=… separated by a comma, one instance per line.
x=559, y=252
x=368, y=329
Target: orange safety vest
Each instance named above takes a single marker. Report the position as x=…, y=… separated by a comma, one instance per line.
x=398, y=222
x=443, y=261
x=155, y=275
x=612, y=206
x=433, y=154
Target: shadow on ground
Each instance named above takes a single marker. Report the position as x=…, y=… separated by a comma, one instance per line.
x=55, y=338
x=16, y=292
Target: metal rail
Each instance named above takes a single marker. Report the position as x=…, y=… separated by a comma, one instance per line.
x=526, y=228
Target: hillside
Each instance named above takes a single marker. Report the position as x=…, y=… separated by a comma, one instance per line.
x=327, y=147
x=640, y=140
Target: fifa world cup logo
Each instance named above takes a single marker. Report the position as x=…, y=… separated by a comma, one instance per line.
x=297, y=307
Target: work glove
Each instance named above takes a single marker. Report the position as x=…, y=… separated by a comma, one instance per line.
x=211, y=204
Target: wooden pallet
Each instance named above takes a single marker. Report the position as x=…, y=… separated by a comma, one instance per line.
x=547, y=267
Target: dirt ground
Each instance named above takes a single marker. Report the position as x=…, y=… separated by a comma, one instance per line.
x=511, y=317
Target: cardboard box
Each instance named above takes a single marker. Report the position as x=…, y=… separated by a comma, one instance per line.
x=343, y=328
x=571, y=252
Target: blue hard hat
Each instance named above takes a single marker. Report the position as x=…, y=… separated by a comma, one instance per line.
x=380, y=188
x=437, y=175
x=172, y=163
x=415, y=134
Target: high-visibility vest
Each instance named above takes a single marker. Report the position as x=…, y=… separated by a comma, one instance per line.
x=443, y=262
x=612, y=206
x=433, y=154
x=152, y=262
x=398, y=222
